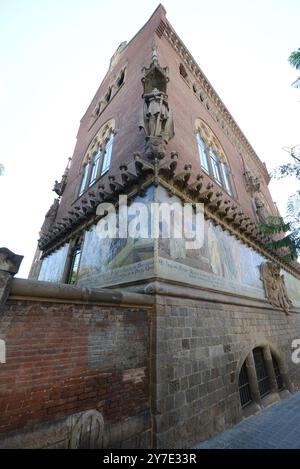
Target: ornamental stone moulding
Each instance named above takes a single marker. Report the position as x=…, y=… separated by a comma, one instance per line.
x=274, y=286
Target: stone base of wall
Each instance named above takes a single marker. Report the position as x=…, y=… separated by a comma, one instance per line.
x=200, y=346
x=117, y=369
x=135, y=432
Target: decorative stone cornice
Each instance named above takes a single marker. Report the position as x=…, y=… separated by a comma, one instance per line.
x=212, y=102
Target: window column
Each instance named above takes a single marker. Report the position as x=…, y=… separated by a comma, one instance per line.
x=107, y=155
x=250, y=364
x=270, y=369
x=72, y=266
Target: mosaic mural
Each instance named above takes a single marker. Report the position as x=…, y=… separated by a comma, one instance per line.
x=293, y=288
x=222, y=262
x=53, y=266
x=109, y=261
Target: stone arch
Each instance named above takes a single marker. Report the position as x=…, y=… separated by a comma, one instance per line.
x=268, y=351
x=240, y=363
x=210, y=138
x=282, y=367
x=100, y=139
x=261, y=343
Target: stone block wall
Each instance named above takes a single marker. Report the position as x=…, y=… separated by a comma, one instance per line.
x=200, y=346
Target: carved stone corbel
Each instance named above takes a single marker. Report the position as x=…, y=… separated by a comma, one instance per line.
x=194, y=188
x=181, y=180
x=9, y=266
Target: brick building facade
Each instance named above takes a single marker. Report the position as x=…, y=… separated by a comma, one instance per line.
x=181, y=343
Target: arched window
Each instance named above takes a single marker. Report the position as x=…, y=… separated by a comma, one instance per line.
x=108, y=95
x=244, y=387
x=258, y=368
x=277, y=374
x=202, y=153
x=95, y=166
x=215, y=163
x=261, y=372
x=121, y=78
x=107, y=155
x=212, y=157
x=84, y=177
x=183, y=71
x=98, y=157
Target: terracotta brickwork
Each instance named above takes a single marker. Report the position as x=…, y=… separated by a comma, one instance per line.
x=125, y=108
x=62, y=359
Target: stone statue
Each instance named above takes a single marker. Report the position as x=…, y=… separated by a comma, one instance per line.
x=59, y=187
x=157, y=118
x=261, y=211
x=50, y=217
x=274, y=286
x=252, y=182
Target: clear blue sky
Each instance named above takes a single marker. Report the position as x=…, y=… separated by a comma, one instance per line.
x=54, y=54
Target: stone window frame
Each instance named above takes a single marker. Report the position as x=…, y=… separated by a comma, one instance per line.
x=184, y=74
x=258, y=402
x=111, y=91
x=214, y=147
x=98, y=144
x=75, y=244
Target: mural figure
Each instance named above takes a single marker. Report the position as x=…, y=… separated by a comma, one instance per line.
x=274, y=286
x=214, y=251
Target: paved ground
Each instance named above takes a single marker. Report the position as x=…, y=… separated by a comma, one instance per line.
x=277, y=426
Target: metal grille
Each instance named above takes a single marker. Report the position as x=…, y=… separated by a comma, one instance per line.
x=261, y=372
x=244, y=387
x=277, y=374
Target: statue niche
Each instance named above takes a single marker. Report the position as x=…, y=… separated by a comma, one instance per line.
x=274, y=285
x=157, y=119
x=156, y=116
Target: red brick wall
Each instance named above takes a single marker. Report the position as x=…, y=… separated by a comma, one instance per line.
x=125, y=109
x=65, y=358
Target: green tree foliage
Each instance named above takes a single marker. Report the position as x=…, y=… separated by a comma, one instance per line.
x=294, y=59
x=285, y=235
x=284, y=238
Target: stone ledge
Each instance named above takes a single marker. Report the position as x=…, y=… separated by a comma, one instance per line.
x=173, y=290
x=35, y=290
